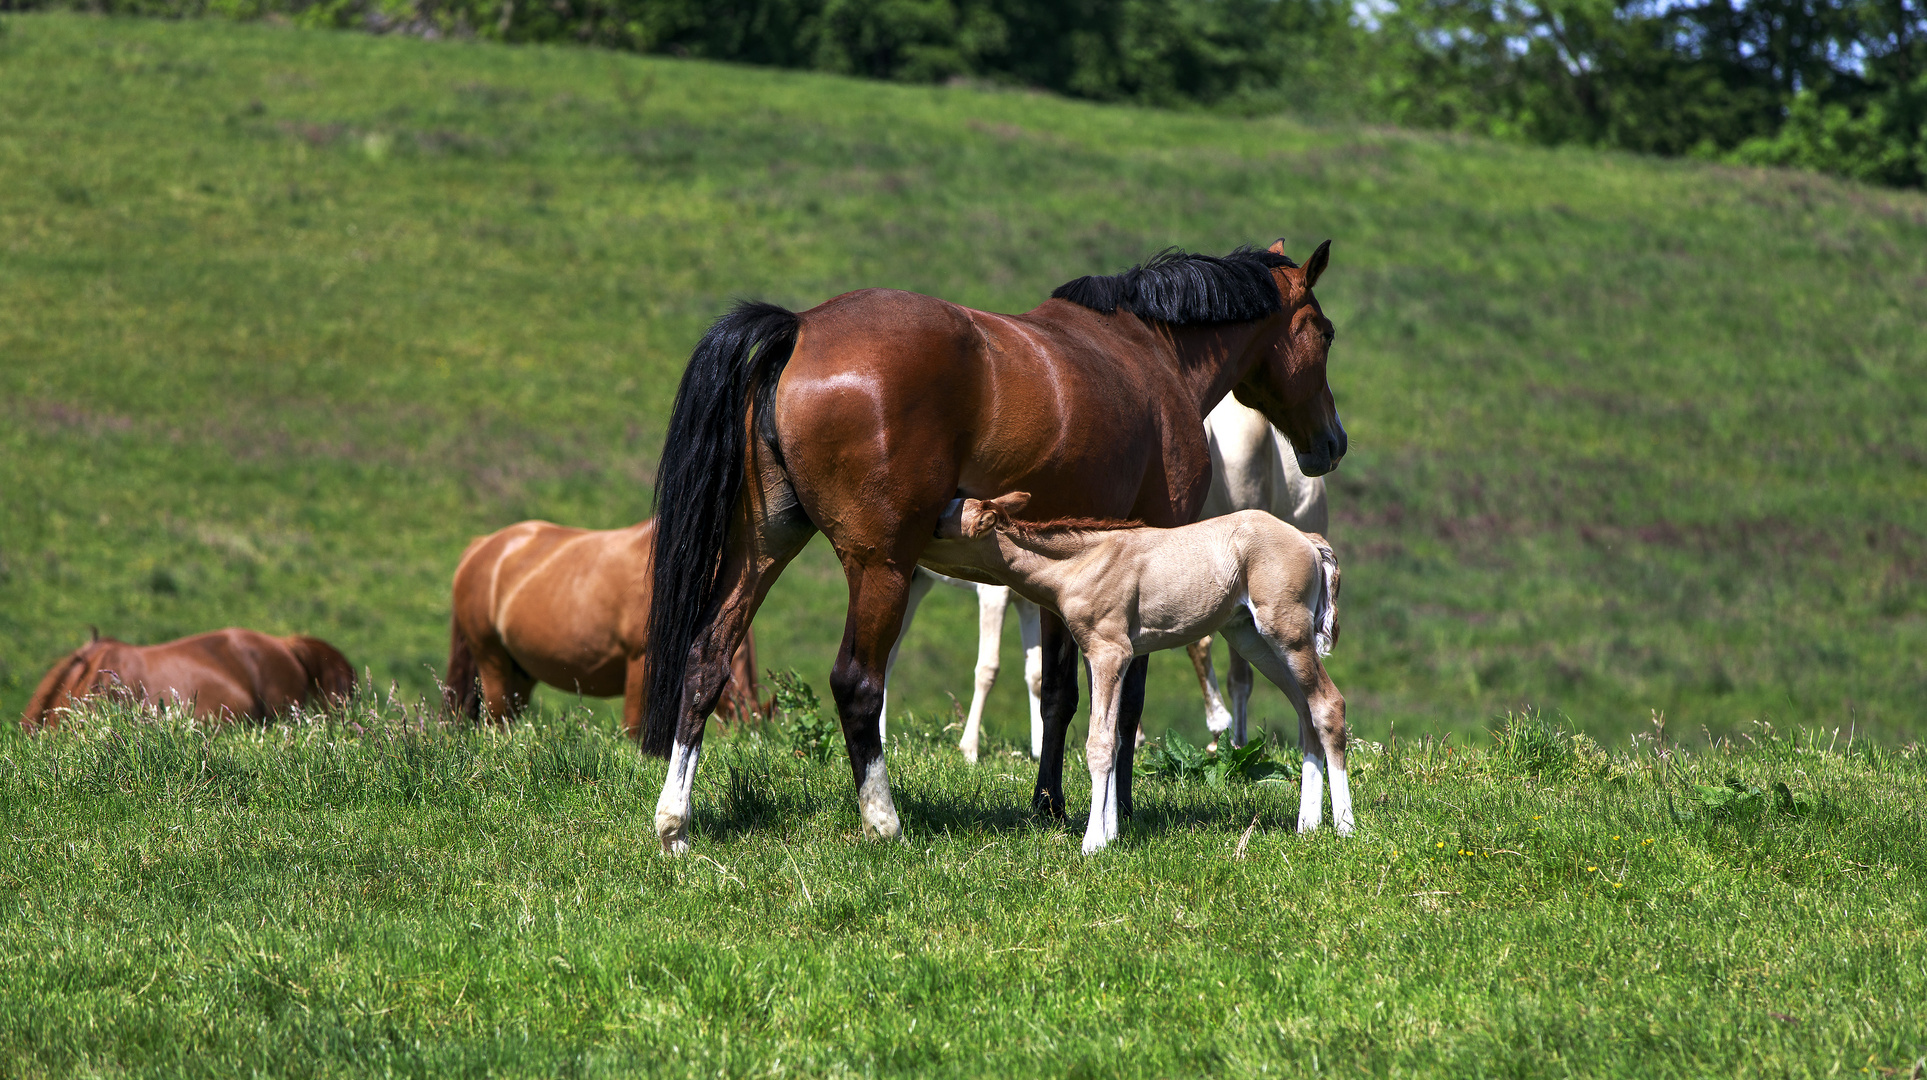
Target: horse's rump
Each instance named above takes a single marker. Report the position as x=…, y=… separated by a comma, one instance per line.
x=60, y=680
x=330, y=677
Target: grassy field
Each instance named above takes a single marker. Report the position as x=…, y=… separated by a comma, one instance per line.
x=285, y=317
x=377, y=897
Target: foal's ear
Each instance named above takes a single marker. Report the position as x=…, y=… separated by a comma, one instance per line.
x=1315, y=265
x=1012, y=503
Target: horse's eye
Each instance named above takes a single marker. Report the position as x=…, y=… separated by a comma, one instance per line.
x=1331, y=334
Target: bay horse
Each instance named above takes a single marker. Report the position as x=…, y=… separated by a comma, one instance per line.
x=1125, y=590
x=864, y=417
x=231, y=674
x=1252, y=468
x=539, y=602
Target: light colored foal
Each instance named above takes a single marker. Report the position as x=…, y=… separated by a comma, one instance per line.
x=1125, y=591
x=1253, y=467
x=992, y=600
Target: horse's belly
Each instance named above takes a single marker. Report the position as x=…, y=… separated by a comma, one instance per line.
x=592, y=668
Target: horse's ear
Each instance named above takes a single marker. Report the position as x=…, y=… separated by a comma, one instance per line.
x=1277, y=246
x=1315, y=265
x=93, y=632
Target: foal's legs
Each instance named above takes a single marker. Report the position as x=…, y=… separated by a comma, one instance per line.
x=1103, y=745
x=1216, y=717
x=1030, y=632
x=1238, y=679
x=1058, y=657
x=1321, y=720
x=991, y=601
x=921, y=583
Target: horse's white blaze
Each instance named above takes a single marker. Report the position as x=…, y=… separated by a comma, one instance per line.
x=672, y=809
x=873, y=799
x=1311, y=796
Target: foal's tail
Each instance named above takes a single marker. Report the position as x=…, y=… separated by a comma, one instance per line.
x=331, y=678
x=698, y=480
x=459, y=692
x=1324, y=617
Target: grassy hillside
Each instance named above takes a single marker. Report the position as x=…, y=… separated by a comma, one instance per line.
x=384, y=900
x=285, y=317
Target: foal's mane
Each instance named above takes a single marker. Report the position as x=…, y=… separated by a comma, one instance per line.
x=1176, y=287
x=1056, y=526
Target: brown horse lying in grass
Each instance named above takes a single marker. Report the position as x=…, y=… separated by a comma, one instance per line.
x=537, y=602
x=227, y=674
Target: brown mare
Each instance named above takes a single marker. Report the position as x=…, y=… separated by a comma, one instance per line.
x=227, y=674
x=537, y=602
x=864, y=417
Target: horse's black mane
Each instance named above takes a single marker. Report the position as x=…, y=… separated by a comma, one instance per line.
x=1176, y=287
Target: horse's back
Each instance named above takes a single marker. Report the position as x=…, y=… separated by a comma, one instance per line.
x=568, y=605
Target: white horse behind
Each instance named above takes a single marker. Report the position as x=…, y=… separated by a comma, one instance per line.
x=1128, y=590
x=1252, y=468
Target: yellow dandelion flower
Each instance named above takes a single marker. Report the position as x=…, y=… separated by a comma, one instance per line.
x=1591, y=869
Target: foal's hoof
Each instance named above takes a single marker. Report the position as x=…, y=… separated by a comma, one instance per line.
x=882, y=828
x=969, y=752
x=673, y=831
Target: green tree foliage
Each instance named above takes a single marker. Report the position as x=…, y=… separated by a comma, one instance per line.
x=1835, y=85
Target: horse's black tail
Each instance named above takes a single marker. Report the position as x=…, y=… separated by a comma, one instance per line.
x=698, y=480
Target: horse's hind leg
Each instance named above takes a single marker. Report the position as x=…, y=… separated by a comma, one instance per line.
x=920, y=585
x=1058, y=705
x=1130, y=711
x=1216, y=717
x=767, y=540
x=991, y=602
x=506, y=688
x=879, y=593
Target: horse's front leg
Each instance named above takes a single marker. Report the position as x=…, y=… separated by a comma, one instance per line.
x=1216, y=717
x=1130, y=713
x=879, y=593
x=1057, y=705
x=1101, y=748
x=991, y=602
x=1030, y=631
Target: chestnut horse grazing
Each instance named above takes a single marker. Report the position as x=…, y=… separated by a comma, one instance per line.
x=864, y=417
x=1125, y=590
x=1252, y=468
x=224, y=674
x=537, y=602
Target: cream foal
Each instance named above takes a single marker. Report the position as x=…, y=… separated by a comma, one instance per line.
x=1129, y=590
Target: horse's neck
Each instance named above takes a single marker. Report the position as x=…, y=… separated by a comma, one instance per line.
x=1214, y=357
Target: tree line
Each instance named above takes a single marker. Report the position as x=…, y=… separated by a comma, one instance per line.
x=1834, y=85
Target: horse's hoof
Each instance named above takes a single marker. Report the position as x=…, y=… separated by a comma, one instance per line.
x=885, y=827
x=969, y=753
x=1094, y=844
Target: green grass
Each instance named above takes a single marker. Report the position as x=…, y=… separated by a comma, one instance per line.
x=286, y=317
x=376, y=895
